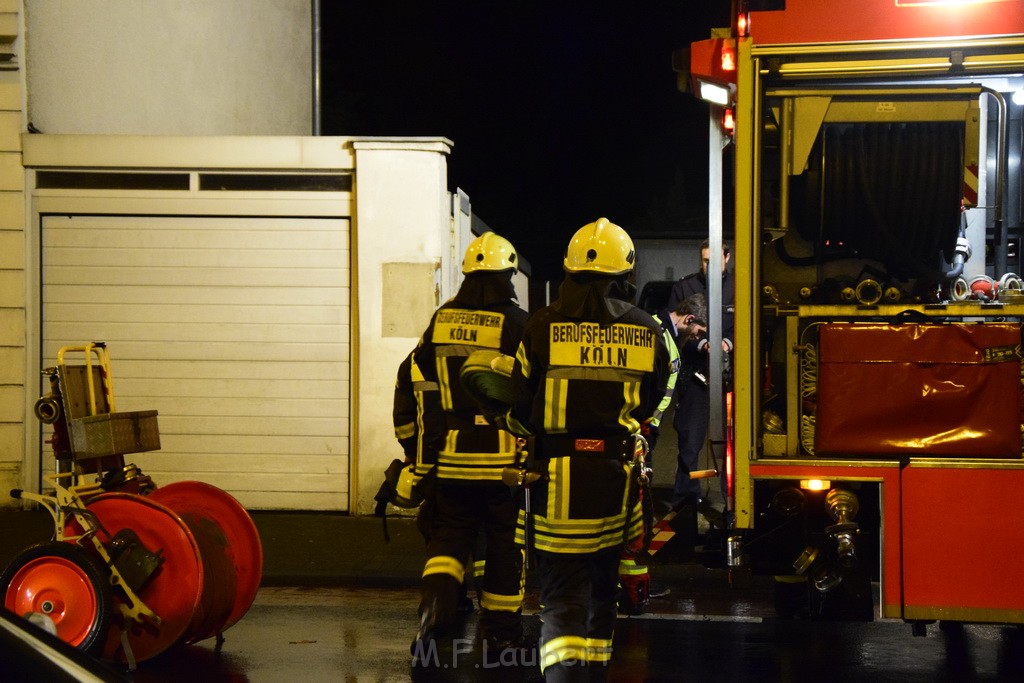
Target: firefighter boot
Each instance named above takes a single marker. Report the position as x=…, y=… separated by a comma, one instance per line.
x=432, y=647
x=424, y=647
x=501, y=630
x=438, y=608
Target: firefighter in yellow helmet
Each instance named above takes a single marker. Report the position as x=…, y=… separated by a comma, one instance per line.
x=470, y=494
x=590, y=370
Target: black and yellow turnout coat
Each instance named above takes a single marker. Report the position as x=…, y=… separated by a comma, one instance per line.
x=473, y=449
x=583, y=384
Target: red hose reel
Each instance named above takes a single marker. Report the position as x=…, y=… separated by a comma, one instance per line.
x=135, y=569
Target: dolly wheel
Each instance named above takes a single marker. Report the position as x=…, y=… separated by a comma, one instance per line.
x=65, y=583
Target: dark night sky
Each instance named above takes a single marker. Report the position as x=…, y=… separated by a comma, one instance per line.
x=560, y=111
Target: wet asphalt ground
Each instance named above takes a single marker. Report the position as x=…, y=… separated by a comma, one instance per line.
x=339, y=604
x=363, y=634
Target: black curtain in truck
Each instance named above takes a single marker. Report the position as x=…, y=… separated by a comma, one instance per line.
x=889, y=192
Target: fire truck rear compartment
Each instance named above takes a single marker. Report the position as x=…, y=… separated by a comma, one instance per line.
x=821, y=547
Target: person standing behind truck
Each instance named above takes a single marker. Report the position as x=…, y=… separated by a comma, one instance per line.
x=694, y=401
x=469, y=492
x=679, y=324
x=590, y=370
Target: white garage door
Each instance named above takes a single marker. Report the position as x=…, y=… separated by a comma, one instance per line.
x=235, y=329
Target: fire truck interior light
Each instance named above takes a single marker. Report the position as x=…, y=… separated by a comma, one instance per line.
x=712, y=92
x=815, y=484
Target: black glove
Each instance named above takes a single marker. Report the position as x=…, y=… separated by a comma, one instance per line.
x=649, y=432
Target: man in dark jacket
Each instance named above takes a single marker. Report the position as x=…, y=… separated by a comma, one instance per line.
x=692, y=409
x=686, y=321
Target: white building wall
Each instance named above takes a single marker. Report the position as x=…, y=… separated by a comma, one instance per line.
x=12, y=252
x=234, y=328
x=402, y=232
x=170, y=67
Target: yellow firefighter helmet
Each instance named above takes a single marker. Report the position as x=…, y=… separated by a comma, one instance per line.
x=489, y=252
x=600, y=247
x=406, y=495
x=398, y=488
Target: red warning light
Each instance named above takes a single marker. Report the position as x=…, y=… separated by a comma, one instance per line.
x=743, y=25
x=728, y=55
x=728, y=121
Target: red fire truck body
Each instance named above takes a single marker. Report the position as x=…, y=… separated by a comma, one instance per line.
x=874, y=149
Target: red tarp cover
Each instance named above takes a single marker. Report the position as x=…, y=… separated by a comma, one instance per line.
x=919, y=390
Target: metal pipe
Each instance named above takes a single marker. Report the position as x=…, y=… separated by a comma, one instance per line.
x=317, y=116
x=716, y=313
x=999, y=235
x=786, y=123
x=962, y=252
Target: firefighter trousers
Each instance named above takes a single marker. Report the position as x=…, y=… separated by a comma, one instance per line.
x=578, y=596
x=461, y=510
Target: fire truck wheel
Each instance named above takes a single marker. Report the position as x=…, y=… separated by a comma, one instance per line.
x=65, y=584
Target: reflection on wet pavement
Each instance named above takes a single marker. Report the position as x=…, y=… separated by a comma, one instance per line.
x=363, y=634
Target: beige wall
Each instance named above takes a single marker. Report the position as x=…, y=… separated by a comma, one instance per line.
x=402, y=216
x=12, y=255
x=170, y=67
x=401, y=228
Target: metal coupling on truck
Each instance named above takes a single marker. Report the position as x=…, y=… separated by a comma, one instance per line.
x=868, y=292
x=842, y=506
x=734, y=551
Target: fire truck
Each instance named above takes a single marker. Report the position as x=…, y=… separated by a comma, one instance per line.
x=865, y=155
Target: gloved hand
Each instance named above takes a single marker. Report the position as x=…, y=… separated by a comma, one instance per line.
x=649, y=432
